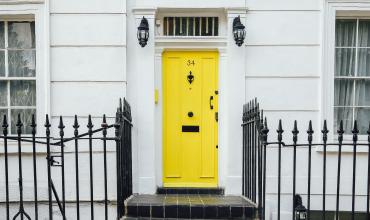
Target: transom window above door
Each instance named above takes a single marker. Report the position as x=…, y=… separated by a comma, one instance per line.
x=190, y=26
x=17, y=72
x=352, y=73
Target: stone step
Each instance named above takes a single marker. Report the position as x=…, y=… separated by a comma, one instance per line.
x=210, y=191
x=186, y=206
x=148, y=218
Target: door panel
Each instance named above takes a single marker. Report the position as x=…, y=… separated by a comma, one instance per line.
x=189, y=120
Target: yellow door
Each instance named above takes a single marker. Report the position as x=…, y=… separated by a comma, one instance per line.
x=190, y=88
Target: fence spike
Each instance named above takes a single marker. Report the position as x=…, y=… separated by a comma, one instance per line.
x=75, y=124
x=265, y=131
x=295, y=128
x=33, y=124
x=340, y=131
x=266, y=124
x=262, y=117
x=280, y=131
x=89, y=123
x=5, y=125
x=310, y=130
x=295, y=131
x=61, y=126
x=47, y=123
x=355, y=129
x=368, y=132
x=325, y=131
x=19, y=124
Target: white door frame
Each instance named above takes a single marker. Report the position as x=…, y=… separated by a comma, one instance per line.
x=187, y=44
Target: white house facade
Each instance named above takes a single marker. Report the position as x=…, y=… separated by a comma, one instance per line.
x=304, y=60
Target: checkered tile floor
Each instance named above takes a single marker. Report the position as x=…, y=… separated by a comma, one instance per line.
x=197, y=206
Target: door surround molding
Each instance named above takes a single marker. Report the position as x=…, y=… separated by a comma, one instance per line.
x=188, y=44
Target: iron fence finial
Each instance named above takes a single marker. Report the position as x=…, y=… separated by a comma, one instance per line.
x=5, y=125
x=355, y=131
x=19, y=124
x=90, y=124
x=325, y=131
x=61, y=126
x=295, y=131
x=280, y=131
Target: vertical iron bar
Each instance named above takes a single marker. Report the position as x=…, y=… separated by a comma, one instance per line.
x=21, y=211
x=250, y=147
x=340, y=141
x=243, y=151
x=129, y=145
x=260, y=164
x=76, y=126
x=255, y=151
x=49, y=161
x=264, y=134
x=61, y=134
x=355, y=138
x=259, y=147
x=248, y=153
x=368, y=175
x=325, y=139
x=20, y=169
x=309, y=132
x=280, y=138
x=90, y=126
x=5, y=132
x=121, y=158
x=104, y=125
x=117, y=135
x=33, y=126
x=253, y=148
x=295, y=139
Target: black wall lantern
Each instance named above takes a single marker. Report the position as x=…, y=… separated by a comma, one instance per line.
x=238, y=31
x=143, y=32
x=300, y=211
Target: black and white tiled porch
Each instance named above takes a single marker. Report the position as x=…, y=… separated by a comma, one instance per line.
x=188, y=204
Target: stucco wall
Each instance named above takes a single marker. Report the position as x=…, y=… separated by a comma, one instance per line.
x=93, y=44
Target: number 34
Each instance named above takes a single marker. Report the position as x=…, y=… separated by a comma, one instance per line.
x=190, y=62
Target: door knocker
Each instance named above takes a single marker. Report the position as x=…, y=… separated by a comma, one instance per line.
x=190, y=77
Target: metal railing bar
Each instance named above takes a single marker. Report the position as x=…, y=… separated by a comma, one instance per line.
x=306, y=145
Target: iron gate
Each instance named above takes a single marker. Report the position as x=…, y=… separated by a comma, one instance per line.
x=54, y=148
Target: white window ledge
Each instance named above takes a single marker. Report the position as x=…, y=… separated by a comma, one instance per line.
x=13, y=2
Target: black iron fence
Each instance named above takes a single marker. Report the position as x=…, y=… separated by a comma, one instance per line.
x=54, y=147
x=256, y=148
x=253, y=154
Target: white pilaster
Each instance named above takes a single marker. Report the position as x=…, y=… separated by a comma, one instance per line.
x=144, y=110
x=233, y=99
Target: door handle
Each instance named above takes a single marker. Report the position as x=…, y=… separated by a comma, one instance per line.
x=211, y=102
